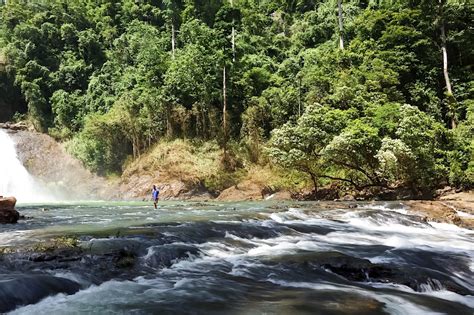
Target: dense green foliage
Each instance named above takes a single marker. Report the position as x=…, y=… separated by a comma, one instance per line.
x=115, y=77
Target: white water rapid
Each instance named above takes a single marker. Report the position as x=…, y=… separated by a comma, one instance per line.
x=14, y=178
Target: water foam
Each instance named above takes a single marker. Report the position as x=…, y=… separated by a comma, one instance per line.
x=241, y=257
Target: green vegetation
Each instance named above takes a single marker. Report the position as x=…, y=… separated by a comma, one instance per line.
x=376, y=94
x=51, y=245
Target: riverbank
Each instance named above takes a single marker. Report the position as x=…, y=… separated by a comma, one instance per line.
x=455, y=208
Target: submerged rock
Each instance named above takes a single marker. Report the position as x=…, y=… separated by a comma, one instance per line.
x=362, y=270
x=19, y=290
x=8, y=214
x=164, y=255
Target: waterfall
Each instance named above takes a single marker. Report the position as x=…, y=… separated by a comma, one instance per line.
x=14, y=178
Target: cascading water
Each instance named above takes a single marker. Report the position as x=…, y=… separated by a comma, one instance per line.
x=237, y=258
x=14, y=178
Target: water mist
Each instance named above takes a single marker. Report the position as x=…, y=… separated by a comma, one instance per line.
x=14, y=178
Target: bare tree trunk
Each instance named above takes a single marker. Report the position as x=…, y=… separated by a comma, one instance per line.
x=341, y=26
x=445, y=60
x=173, y=40
x=449, y=90
x=233, y=33
x=224, y=97
x=233, y=43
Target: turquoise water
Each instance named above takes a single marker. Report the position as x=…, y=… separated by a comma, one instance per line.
x=242, y=258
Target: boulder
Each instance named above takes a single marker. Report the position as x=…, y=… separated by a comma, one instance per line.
x=7, y=203
x=245, y=190
x=347, y=198
x=8, y=214
x=280, y=196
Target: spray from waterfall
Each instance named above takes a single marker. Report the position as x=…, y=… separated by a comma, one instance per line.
x=14, y=178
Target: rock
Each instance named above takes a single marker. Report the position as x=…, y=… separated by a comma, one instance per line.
x=125, y=259
x=165, y=255
x=362, y=270
x=138, y=186
x=466, y=196
x=17, y=289
x=171, y=189
x=323, y=194
x=280, y=196
x=444, y=191
x=348, y=198
x=245, y=190
x=8, y=214
x=7, y=203
x=14, y=126
x=443, y=211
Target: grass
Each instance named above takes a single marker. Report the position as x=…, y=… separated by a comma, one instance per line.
x=201, y=163
x=190, y=162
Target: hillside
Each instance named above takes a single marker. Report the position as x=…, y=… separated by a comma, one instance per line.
x=186, y=170
x=331, y=96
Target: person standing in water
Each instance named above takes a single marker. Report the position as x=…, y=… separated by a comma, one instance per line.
x=155, y=193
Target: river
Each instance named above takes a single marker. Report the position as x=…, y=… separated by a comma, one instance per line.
x=236, y=258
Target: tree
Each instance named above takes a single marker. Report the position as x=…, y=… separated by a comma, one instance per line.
x=449, y=91
x=301, y=146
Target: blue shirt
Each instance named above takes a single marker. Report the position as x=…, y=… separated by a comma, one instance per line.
x=155, y=193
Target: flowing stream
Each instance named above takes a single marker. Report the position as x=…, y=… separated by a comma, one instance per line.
x=237, y=258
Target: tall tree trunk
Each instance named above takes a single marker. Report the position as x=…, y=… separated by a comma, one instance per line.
x=341, y=26
x=233, y=32
x=224, y=111
x=173, y=40
x=449, y=91
x=233, y=43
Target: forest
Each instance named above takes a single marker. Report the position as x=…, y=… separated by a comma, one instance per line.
x=348, y=93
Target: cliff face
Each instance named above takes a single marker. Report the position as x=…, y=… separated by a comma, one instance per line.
x=48, y=161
